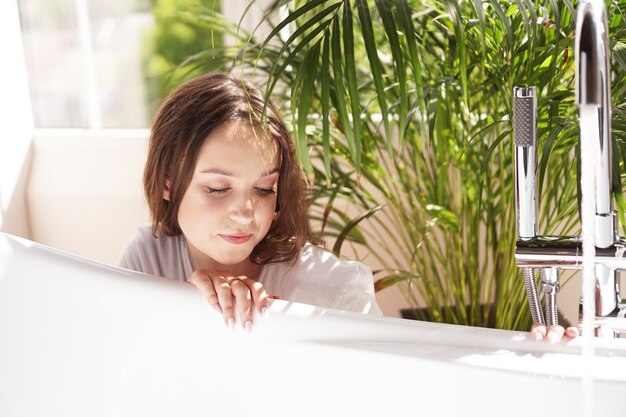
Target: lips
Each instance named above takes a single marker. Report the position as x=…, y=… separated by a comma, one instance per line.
x=236, y=238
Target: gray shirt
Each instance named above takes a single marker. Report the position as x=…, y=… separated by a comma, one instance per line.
x=317, y=277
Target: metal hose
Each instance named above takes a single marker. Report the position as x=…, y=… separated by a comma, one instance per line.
x=533, y=298
x=550, y=286
x=552, y=316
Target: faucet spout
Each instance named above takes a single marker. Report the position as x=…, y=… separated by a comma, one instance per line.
x=593, y=98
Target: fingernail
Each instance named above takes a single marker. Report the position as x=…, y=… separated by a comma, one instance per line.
x=264, y=311
x=537, y=335
x=554, y=338
x=248, y=326
x=231, y=323
x=218, y=308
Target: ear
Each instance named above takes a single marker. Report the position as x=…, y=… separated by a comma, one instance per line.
x=166, y=190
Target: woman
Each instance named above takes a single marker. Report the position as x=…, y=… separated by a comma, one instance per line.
x=226, y=198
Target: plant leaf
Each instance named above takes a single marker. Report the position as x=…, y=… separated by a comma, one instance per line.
x=391, y=280
x=377, y=73
x=353, y=223
x=353, y=92
x=305, y=87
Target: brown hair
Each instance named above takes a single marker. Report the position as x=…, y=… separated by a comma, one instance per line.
x=185, y=119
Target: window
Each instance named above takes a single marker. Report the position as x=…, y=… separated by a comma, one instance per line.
x=107, y=63
x=84, y=61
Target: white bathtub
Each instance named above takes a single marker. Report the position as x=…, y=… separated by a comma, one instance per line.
x=79, y=338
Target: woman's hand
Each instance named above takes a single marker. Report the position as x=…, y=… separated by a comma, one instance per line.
x=226, y=292
x=553, y=334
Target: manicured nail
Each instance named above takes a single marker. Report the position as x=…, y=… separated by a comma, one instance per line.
x=554, y=338
x=231, y=323
x=248, y=326
x=264, y=311
x=537, y=335
x=218, y=308
x=574, y=332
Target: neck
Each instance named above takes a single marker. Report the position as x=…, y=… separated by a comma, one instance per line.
x=201, y=261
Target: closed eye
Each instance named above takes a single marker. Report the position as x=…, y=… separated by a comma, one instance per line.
x=217, y=191
x=265, y=191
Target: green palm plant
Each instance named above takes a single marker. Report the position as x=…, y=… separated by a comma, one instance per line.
x=403, y=109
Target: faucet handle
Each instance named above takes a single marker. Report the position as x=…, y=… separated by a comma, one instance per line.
x=524, y=116
x=524, y=135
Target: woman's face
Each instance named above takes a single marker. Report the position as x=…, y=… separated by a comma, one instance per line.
x=230, y=202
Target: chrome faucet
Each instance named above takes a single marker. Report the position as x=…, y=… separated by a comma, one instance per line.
x=552, y=253
x=593, y=97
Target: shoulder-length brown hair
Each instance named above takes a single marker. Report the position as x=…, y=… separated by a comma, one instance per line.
x=182, y=124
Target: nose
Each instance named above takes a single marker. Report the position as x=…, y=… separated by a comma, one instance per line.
x=242, y=210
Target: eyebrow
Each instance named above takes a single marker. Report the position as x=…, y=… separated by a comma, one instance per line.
x=230, y=174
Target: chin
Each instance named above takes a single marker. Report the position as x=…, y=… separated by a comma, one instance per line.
x=226, y=258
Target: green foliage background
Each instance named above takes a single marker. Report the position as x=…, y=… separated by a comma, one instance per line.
x=403, y=109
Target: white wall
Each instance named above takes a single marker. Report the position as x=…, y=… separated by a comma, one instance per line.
x=84, y=193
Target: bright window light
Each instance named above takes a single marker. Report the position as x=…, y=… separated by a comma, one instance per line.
x=15, y=109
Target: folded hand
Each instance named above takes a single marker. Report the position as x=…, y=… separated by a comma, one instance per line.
x=227, y=292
